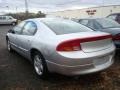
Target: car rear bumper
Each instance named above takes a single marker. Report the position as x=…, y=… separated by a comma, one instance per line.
x=97, y=64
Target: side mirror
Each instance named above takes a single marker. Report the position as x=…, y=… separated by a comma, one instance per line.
x=11, y=31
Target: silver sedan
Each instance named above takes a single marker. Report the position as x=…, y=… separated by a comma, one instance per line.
x=61, y=46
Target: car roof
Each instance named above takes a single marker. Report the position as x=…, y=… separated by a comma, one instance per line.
x=46, y=19
x=92, y=18
x=114, y=14
x=42, y=19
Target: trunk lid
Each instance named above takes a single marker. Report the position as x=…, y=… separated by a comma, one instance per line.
x=96, y=45
x=90, y=41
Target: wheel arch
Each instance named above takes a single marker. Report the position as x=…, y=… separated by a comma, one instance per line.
x=32, y=52
x=46, y=71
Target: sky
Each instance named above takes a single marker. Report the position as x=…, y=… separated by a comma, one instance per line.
x=51, y=5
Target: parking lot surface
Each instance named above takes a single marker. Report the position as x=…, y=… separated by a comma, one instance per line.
x=16, y=73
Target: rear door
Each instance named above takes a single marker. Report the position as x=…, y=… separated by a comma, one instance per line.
x=26, y=37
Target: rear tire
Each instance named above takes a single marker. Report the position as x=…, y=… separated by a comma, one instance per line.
x=40, y=65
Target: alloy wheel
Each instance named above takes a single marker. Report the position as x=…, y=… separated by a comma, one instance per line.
x=38, y=65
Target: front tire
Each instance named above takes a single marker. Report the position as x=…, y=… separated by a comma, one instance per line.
x=9, y=46
x=40, y=65
x=14, y=23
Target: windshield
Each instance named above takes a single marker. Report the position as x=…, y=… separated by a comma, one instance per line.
x=65, y=26
x=107, y=23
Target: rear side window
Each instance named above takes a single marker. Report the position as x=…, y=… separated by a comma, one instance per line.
x=97, y=25
x=65, y=26
x=91, y=24
x=84, y=22
x=29, y=29
x=113, y=17
x=0, y=18
x=4, y=18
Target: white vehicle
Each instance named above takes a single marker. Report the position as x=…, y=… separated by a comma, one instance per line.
x=7, y=20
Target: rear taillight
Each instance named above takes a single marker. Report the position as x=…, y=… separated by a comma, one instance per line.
x=75, y=45
x=71, y=45
x=116, y=37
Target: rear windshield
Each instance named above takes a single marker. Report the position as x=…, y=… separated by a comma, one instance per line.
x=65, y=26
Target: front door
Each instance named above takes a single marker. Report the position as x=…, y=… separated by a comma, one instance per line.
x=13, y=36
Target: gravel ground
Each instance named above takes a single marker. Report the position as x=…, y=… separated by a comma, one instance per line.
x=16, y=73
